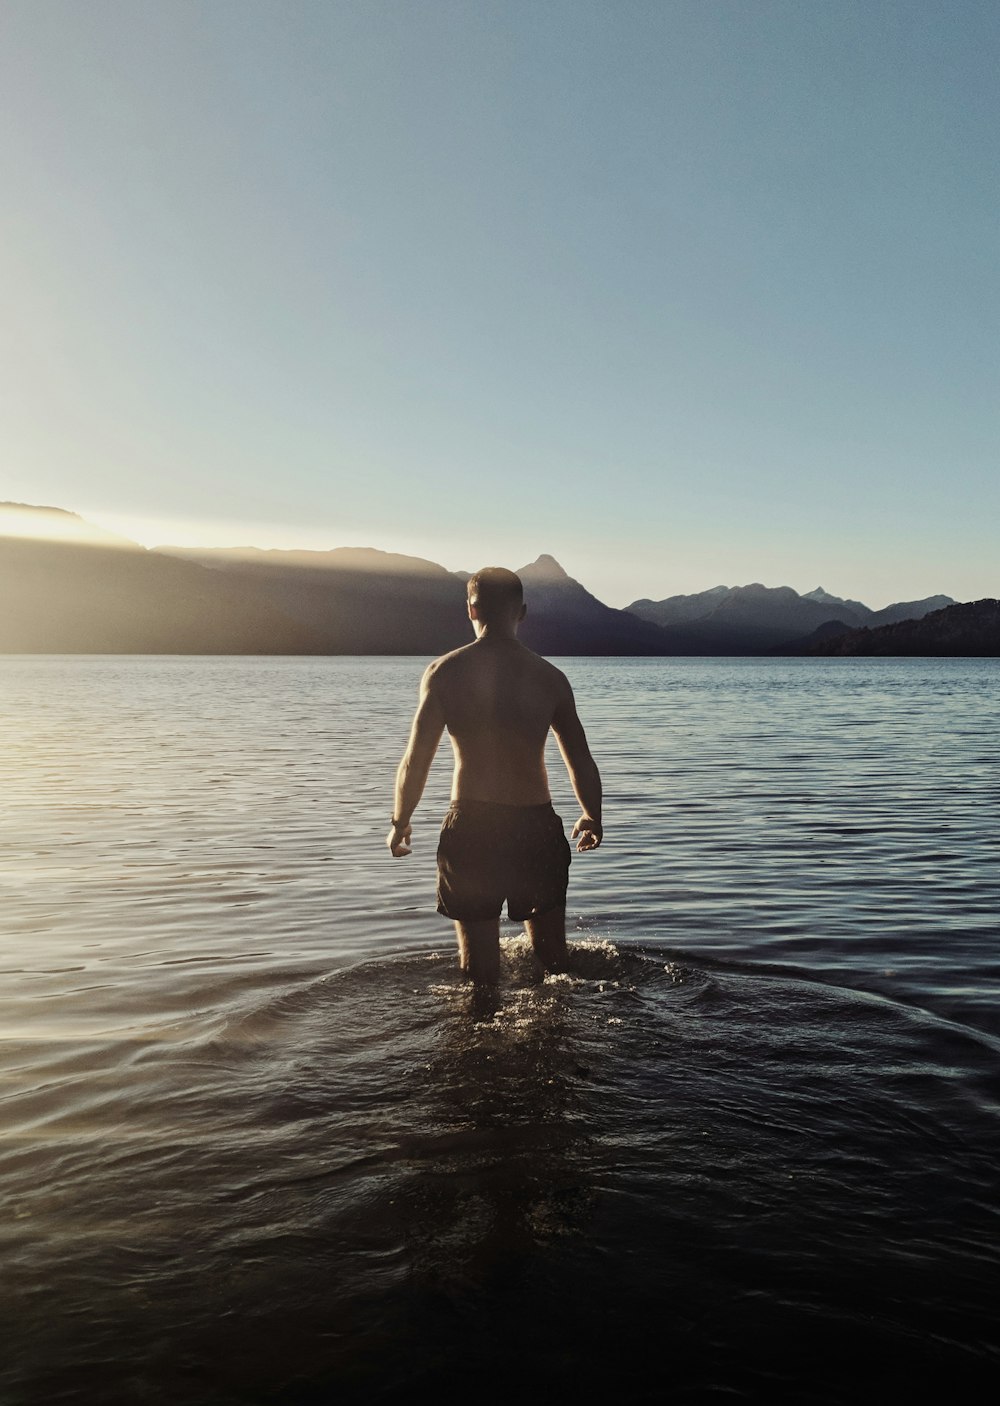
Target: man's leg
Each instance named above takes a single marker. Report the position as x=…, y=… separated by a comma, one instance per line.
x=479, y=950
x=548, y=938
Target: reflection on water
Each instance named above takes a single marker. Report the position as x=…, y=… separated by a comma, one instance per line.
x=260, y=1144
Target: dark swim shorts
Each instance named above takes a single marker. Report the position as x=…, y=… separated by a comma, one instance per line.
x=489, y=853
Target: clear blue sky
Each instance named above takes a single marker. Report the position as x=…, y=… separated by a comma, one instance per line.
x=686, y=292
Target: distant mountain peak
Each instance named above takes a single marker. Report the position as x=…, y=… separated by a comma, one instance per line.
x=546, y=566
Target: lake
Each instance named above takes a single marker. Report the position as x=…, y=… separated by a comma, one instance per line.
x=260, y=1146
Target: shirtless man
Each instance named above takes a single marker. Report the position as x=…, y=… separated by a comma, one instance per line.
x=501, y=839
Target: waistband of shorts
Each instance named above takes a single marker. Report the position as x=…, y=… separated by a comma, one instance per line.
x=468, y=806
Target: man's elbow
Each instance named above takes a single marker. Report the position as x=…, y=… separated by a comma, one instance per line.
x=416, y=762
x=580, y=761
x=590, y=772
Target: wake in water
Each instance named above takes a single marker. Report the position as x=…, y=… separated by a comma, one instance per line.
x=647, y=1175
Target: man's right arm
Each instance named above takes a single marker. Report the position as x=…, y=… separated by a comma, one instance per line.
x=411, y=777
x=582, y=769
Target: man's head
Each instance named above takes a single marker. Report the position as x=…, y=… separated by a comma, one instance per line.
x=496, y=599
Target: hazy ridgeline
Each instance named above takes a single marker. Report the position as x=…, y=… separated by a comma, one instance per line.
x=258, y=1147
x=70, y=587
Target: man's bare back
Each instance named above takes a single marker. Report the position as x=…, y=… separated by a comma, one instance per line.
x=501, y=840
x=498, y=700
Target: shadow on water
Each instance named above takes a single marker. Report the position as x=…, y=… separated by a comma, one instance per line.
x=643, y=1178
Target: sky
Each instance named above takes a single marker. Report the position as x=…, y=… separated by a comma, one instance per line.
x=683, y=293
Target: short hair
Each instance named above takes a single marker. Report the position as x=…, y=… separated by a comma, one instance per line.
x=496, y=593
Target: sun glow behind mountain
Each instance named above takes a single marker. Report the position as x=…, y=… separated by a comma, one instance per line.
x=44, y=524
x=236, y=536
x=252, y=540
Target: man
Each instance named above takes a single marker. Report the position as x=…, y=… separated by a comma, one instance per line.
x=501, y=839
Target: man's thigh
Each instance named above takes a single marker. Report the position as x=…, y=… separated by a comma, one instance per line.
x=471, y=882
x=538, y=868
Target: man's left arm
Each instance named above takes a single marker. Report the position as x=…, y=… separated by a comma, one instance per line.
x=425, y=734
x=583, y=773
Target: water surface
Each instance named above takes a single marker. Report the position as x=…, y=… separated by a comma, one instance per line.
x=258, y=1145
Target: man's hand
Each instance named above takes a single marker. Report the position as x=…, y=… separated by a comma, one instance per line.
x=398, y=840
x=590, y=831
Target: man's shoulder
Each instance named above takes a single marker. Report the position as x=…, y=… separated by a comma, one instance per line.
x=547, y=670
x=446, y=664
x=458, y=662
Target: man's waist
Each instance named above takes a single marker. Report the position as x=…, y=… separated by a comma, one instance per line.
x=476, y=803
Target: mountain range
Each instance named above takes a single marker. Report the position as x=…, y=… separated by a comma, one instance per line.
x=969, y=629
x=68, y=587
x=756, y=619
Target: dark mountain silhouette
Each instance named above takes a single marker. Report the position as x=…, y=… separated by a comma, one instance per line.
x=81, y=590
x=971, y=628
x=908, y=610
x=69, y=587
x=351, y=600
x=852, y=607
x=832, y=629
x=362, y=601
x=757, y=619
x=564, y=618
x=679, y=610
x=742, y=620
